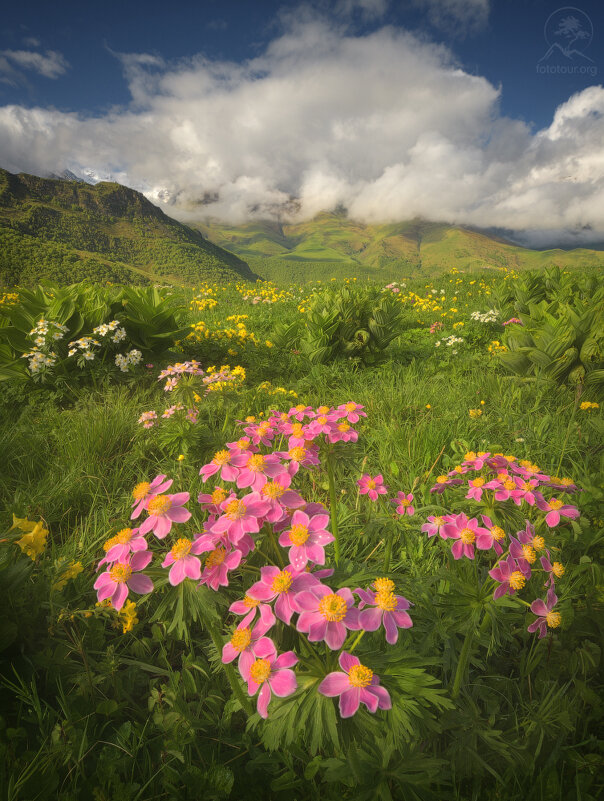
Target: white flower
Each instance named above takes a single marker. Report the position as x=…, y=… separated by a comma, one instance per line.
x=88, y=355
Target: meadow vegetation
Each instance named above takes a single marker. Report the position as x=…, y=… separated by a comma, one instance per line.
x=315, y=541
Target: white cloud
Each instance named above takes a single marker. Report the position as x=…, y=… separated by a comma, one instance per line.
x=458, y=17
x=385, y=124
x=50, y=64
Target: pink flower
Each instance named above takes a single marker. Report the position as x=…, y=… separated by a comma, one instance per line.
x=387, y=608
x=218, y=564
x=357, y=684
x=545, y=614
x=435, y=525
x=163, y=511
x=490, y=537
x=342, y=432
x=254, y=471
x=241, y=516
x=225, y=462
x=475, y=488
x=270, y=672
x=465, y=531
x=125, y=542
x=555, y=510
x=555, y=569
x=510, y=577
x=352, y=411
x=326, y=615
x=442, y=482
x=306, y=539
x=244, y=640
x=524, y=491
x=372, y=486
x=279, y=497
x=115, y=582
x=144, y=491
x=403, y=504
x=282, y=585
x=185, y=563
x=248, y=607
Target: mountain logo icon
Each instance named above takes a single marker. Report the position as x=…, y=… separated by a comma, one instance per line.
x=568, y=32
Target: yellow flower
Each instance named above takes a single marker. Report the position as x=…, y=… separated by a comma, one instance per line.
x=428, y=406
x=181, y=457
x=474, y=413
x=72, y=571
x=33, y=543
x=127, y=615
x=586, y=406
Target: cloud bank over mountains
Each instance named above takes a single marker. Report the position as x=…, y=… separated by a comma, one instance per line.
x=386, y=124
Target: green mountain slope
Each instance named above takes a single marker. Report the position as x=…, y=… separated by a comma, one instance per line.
x=67, y=231
x=392, y=250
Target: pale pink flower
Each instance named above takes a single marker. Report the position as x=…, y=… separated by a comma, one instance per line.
x=386, y=608
x=435, y=525
x=545, y=614
x=128, y=540
x=490, y=537
x=403, y=504
x=218, y=564
x=163, y=511
x=244, y=640
x=555, y=510
x=357, y=684
x=184, y=561
x=352, y=411
x=270, y=673
x=327, y=615
x=279, y=497
x=248, y=607
x=509, y=576
x=257, y=470
x=465, y=531
x=225, y=462
x=241, y=516
x=115, y=582
x=282, y=585
x=145, y=490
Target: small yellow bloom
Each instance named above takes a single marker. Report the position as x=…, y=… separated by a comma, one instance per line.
x=428, y=406
x=181, y=457
x=474, y=413
x=72, y=571
x=33, y=543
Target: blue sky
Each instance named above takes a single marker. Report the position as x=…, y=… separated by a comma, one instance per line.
x=451, y=109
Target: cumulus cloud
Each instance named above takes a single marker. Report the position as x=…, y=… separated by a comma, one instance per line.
x=384, y=124
x=458, y=17
x=50, y=64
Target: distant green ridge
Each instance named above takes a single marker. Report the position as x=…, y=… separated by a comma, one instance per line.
x=332, y=244
x=67, y=231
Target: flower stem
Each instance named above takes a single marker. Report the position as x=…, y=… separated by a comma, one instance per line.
x=334, y=506
x=230, y=674
x=570, y=422
x=356, y=642
x=388, y=551
x=464, y=656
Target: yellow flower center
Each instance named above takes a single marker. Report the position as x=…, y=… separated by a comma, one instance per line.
x=159, y=505
x=297, y=430
x=250, y=419
x=250, y=602
x=181, y=549
x=442, y=479
x=141, y=490
x=298, y=534
x=509, y=484
x=300, y=407
x=538, y=543
x=477, y=482
x=297, y=454
x=553, y=619
x=260, y=670
x=555, y=504
x=263, y=428
x=482, y=453
x=517, y=580
x=243, y=444
x=533, y=468
x=235, y=510
x=108, y=544
x=371, y=484
x=350, y=407
x=360, y=676
x=218, y=495
x=525, y=463
x=322, y=419
x=458, y=468
x=529, y=553
x=343, y=427
x=438, y=521
x=273, y=490
x=558, y=569
x=527, y=486
x=502, y=476
x=470, y=456
x=282, y=581
x=467, y=536
x=325, y=409
x=215, y=558
x=120, y=573
x=497, y=533
x=256, y=463
x=241, y=639
x=333, y=607
x=404, y=502
x=566, y=482
x=222, y=457
x=383, y=585
x=124, y=536
x=386, y=601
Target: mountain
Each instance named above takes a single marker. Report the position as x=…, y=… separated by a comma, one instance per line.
x=394, y=250
x=67, y=230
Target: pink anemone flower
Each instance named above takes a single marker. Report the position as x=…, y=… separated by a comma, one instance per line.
x=343, y=432
x=145, y=490
x=524, y=491
x=163, y=511
x=244, y=641
x=509, y=576
x=352, y=411
x=403, y=504
x=282, y=585
x=270, y=673
x=248, y=607
x=125, y=542
x=386, y=608
x=306, y=539
x=555, y=569
x=241, y=516
x=257, y=470
x=183, y=560
x=545, y=614
x=219, y=562
x=225, y=462
x=115, y=582
x=372, y=486
x=355, y=685
x=279, y=497
x=435, y=525
x=555, y=510
x=327, y=615
x=465, y=531
x=491, y=537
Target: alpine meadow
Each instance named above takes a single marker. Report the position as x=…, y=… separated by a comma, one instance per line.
x=302, y=371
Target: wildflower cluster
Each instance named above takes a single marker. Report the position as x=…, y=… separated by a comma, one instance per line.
x=513, y=320
x=496, y=347
x=237, y=333
x=33, y=540
x=8, y=298
x=489, y=316
x=450, y=342
x=43, y=334
x=261, y=503
x=492, y=480
x=265, y=292
x=588, y=406
x=200, y=303
x=85, y=349
x=267, y=388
